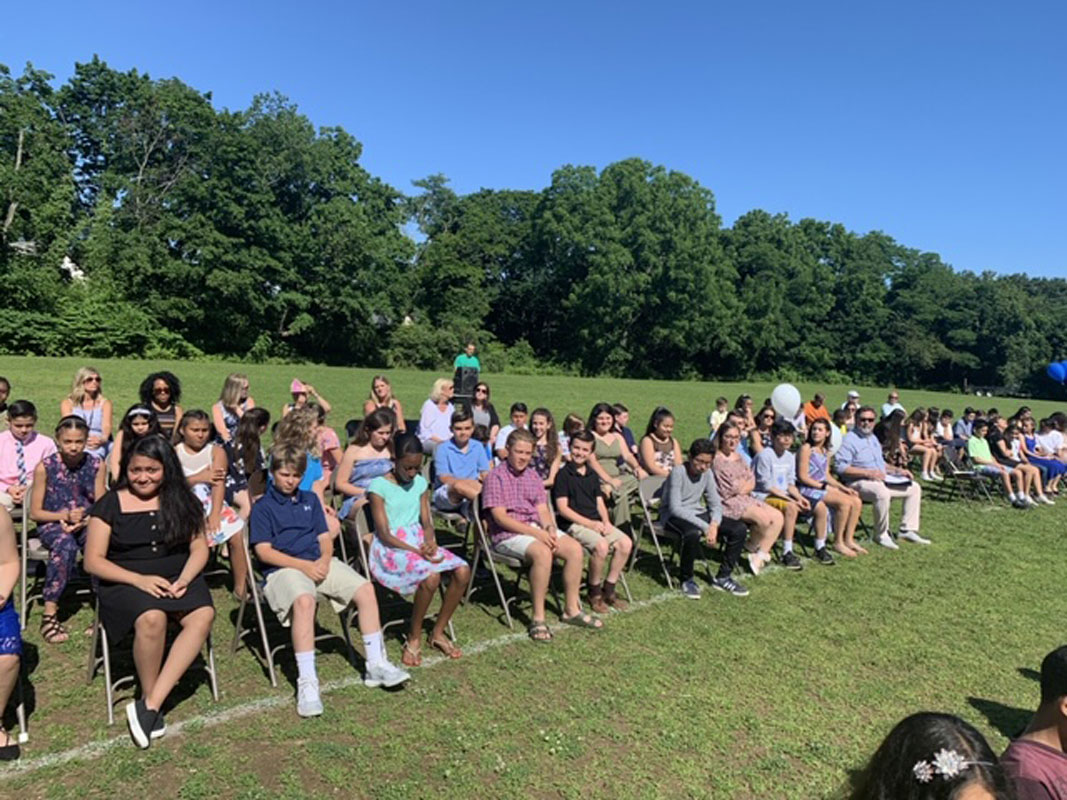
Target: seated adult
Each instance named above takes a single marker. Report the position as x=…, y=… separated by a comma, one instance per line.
x=614, y=464
x=301, y=393
x=921, y=443
x=369, y=455
x=933, y=757
x=659, y=451
x=1036, y=762
x=234, y=400
x=892, y=404
x=460, y=465
x=146, y=547
x=518, y=414
x=22, y=448
x=736, y=482
x=747, y=407
x=692, y=509
x=404, y=555
x=852, y=398
x=522, y=527
x=161, y=392
x=86, y=400
x=775, y=468
x=484, y=412
x=10, y=629
x=816, y=409
x=816, y=482
x=862, y=466
x=761, y=437
x=581, y=510
x=381, y=396
x=66, y=485
x=1049, y=436
x=436, y=415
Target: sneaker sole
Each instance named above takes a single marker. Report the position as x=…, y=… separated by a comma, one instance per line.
x=312, y=713
x=730, y=591
x=158, y=734
x=374, y=683
x=691, y=596
x=139, y=738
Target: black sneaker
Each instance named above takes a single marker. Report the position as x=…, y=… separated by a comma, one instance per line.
x=159, y=727
x=140, y=722
x=728, y=584
x=822, y=555
x=790, y=561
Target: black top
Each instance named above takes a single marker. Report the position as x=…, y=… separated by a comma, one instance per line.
x=995, y=436
x=580, y=490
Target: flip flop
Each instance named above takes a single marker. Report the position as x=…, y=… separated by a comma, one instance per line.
x=446, y=647
x=581, y=620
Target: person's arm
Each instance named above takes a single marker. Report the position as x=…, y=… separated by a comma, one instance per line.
x=845, y=457
x=220, y=423
x=178, y=414
x=500, y=445
x=563, y=507
x=401, y=426
x=594, y=465
x=194, y=565
x=548, y=523
x=442, y=469
x=322, y=400
x=218, y=488
x=804, y=468
x=763, y=473
x=648, y=457
x=672, y=492
x=97, y=563
x=381, y=525
x=40, y=488
x=266, y=553
x=100, y=482
x=553, y=470
x=369, y=407
x=755, y=441
x=343, y=483
x=106, y=418
x=9, y=558
x=512, y=525
x=285, y=411
x=426, y=420
x=114, y=458
x=66, y=407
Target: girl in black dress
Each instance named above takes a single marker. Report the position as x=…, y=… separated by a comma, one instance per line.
x=146, y=546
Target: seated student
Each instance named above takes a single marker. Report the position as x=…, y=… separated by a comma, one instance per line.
x=692, y=509
x=718, y=416
x=761, y=436
x=622, y=421
x=329, y=444
x=290, y=538
x=86, y=400
x=746, y=406
x=205, y=467
x=5, y=393
x=234, y=400
x=404, y=555
x=481, y=436
x=460, y=465
x=22, y=448
x=1036, y=762
x=963, y=426
x=301, y=392
x=146, y=547
x=817, y=483
x=816, y=409
x=436, y=415
x=581, y=510
x=246, y=465
x=659, y=452
x=484, y=411
x=572, y=423
x=984, y=463
x=368, y=455
x=861, y=466
x=931, y=756
x=737, y=419
x=776, y=484
x=1016, y=445
x=1040, y=457
x=138, y=421
x=522, y=527
x=10, y=629
x=1001, y=449
x=614, y=464
x=735, y=482
x=546, y=457
x=381, y=396
x=66, y=484
x=299, y=428
x=921, y=443
x=518, y=414
x=1049, y=436
x=161, y=392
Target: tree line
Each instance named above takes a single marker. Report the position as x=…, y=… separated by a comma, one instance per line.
x=138, y=220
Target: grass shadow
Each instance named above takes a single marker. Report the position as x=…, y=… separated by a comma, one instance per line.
x=1010, y=721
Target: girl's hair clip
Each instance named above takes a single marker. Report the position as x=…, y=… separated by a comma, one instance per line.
x=946, y=763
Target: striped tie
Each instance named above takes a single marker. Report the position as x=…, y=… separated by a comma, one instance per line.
x=20, y=462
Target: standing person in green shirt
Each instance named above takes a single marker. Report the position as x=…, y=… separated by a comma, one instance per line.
x=467, y=359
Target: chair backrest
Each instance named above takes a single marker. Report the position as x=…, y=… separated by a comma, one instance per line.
x=649, y=487
x=350, y=429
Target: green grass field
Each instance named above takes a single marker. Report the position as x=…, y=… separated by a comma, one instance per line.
x=778, y=695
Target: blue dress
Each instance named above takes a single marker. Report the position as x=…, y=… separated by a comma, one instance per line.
x=1054, y=466
x=10, y=630
x=94, y=418
x=363, y=472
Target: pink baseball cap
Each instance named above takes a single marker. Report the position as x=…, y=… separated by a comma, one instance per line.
x=296, y=386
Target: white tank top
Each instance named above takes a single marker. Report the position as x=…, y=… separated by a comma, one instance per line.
x=193, y=463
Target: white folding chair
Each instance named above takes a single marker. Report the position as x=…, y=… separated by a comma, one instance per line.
x=30, y=549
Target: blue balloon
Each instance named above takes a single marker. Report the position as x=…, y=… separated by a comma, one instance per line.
x=1057, y=370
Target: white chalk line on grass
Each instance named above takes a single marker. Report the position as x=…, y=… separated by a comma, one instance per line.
x=94, y=750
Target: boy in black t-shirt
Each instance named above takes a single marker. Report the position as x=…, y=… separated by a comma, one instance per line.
x=583, y=514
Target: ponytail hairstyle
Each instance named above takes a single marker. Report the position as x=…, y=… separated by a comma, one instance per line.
x=181, y=515
x=71, y=422
x=659, y=414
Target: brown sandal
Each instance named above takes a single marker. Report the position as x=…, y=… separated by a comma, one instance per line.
x=52, y=631
x=411, y=657
x=446, y=647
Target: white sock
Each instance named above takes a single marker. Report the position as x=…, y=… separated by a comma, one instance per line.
x=787, y=546
x=374, y=646
x=820, y=544
x=305, y=665
x=1012, y=496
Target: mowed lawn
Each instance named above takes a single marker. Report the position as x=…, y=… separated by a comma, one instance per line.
x=777, y=695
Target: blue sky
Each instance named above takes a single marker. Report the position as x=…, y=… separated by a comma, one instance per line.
x=942, y=124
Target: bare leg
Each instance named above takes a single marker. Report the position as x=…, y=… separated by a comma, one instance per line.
x=540, y=560
x=571, y=553
x=238, y=565
x=423, y=597
x=149, y=638
x=302, y=623
x=623, y=548
x=367, y=607
x=196, y=625
x=453, y=594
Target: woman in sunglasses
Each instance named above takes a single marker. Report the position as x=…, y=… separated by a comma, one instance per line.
x=161, y=392
x=86, y=400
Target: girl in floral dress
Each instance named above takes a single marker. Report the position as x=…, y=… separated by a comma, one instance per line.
x=404, y=555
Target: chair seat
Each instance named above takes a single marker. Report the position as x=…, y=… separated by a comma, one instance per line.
x=35, y=551
x=511, y=561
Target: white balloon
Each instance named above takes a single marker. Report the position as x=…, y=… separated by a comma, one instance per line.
x=786, y=400
x=835, y=438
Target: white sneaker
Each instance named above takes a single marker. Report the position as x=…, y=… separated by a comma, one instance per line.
x=926, y=476
x=936, y=477
x=385, y=674
x=912, y=536
x=308, y=702
x=1029, y=500
x=755, y=562
x=887, y=541
x=1044, y=498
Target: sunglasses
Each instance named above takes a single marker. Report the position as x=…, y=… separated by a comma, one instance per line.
x=162, y=390
x=866, y=420
x=92, y=380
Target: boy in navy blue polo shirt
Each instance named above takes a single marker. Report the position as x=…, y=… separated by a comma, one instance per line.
x=289, y=536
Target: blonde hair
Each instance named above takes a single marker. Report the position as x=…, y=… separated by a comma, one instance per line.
x=231, y=389
x=438, y=388
x=297, y=428
x=374, y=398
x=77, y=390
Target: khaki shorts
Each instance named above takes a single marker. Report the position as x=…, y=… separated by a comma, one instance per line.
x=516, y=546
x=286, y=584
x=588, y=538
